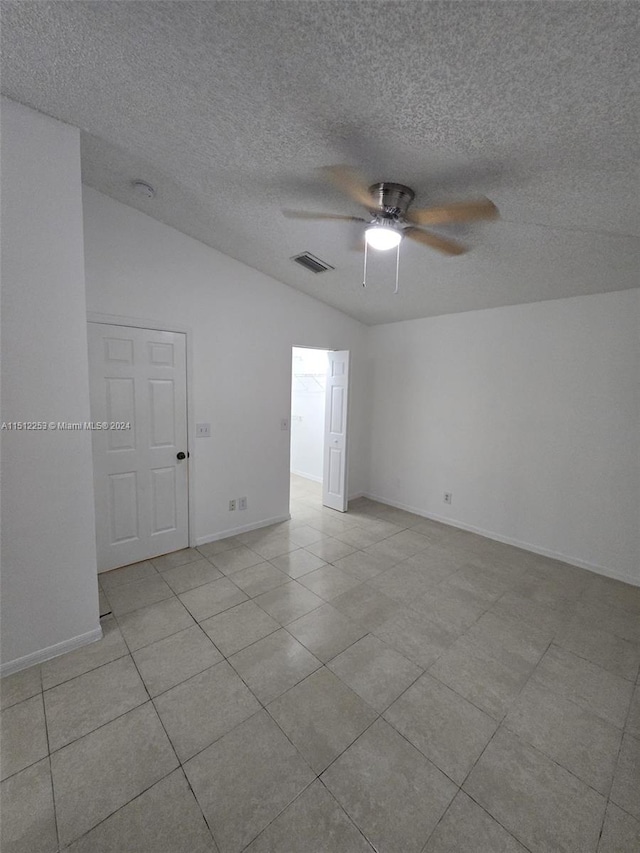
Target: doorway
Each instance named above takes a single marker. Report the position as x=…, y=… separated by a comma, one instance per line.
x=138, y=385
x=318, y=426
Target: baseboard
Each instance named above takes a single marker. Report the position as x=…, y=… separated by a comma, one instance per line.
x=54, y=651
x=307, y=476
x=234, y=531
x=517, y=543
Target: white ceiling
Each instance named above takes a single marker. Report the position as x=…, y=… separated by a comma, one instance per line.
x=227, y=108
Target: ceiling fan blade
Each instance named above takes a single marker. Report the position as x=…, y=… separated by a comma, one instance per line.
x=304, y=214
x=435, y=241
x=461, y=211
x=352, y=183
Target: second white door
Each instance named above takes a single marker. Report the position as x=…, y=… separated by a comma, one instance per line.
x=138, y=377
x=334, y=481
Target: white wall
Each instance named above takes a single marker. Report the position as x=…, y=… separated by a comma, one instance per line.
x=308, y=388
x=49, y=580
x=529, y=414
x=242, y=325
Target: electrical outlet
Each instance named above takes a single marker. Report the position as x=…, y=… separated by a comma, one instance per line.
x=284, y=424
x=203, y=430
x=242, y=503
x=448, y=497
x=232, y=505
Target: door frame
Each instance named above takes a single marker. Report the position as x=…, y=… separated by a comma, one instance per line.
x=138, y=323
x=325, y=349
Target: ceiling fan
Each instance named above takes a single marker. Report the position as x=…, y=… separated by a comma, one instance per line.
x=390, y=217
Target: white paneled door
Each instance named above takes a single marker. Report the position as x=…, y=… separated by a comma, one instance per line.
x=139, y=391
x=334, y=482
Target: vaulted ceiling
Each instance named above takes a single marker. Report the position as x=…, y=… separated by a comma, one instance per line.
x=228, y=108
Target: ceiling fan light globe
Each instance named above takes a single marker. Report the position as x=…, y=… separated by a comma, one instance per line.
x=382, y=237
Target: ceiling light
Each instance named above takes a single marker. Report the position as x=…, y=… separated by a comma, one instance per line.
x=382, y=237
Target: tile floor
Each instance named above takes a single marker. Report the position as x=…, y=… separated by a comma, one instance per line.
x=336, y=684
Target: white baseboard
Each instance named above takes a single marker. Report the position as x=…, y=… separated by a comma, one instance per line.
x=234, y=531
x=307, y=476
x=517, y=543
x=49, y=652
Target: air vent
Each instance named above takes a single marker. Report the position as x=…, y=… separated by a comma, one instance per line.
x=310, y=262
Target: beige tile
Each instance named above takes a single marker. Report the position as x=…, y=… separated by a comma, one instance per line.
x=274, y=546
x=403, y=583
x=258, y=579
x=358, y=537
x=174, y=659
x=65, y=667
x=446, y=728
x=325, y=632
x=364, y=565
x=79, y=706
x=509, y=641
x=601, y=615
x=236, y=559
x=594, y=689
x=621, y=832
x=23, y=736
x=633, y=720
x=375, y=672
x=127, y=597
x=466, y=828
x=543, y=805
x=203, y=708
x=176, y=558
x=212, y=598
x=239, y=627
x=20, y=686
x=164, y=819
x=288, y=602
x=246, y=779
x=96, y=775
x=600, y=647
x=574, y=738
x=485, y=585
x=149, y=624
x=436, y=563
x=193, y=574
x=522, y=609
x=330, y=549
x=379, y=528
x=400, y=546
x=28, y=822
x=453, y=608
x=127, y=574
x=321, y=716
x=329, y=582
x=297, y=563
x=487, y=683
x=219, y=546
x=313, y=822
x=415, y=637
x=273, y=665
x=365, y=605
x=391, y=792
x=305, y=535
x=626, y=782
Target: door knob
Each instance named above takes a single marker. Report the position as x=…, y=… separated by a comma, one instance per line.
x=181, y=455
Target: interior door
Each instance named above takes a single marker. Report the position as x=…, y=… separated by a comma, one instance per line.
x=138, y=378
x=334, y=484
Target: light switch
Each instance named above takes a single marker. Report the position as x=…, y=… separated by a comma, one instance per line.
x=203, y=430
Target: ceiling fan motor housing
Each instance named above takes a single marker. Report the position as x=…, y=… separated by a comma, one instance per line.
x=393, y=199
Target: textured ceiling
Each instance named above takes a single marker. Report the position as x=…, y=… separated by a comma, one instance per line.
x=227, y=108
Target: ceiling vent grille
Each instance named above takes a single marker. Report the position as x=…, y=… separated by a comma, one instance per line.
x=310, y=262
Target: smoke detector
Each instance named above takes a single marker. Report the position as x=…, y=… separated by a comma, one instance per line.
x=143, y=189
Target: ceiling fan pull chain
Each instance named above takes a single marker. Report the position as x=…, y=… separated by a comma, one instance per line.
x=397, y=266
x=364, y=274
